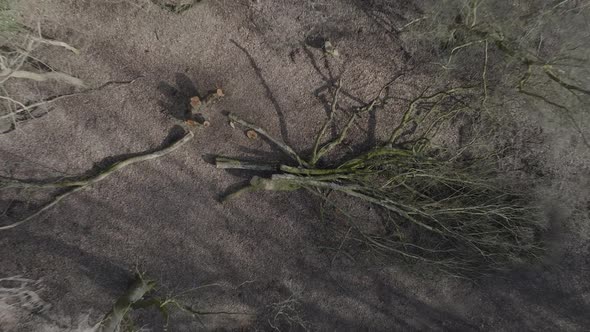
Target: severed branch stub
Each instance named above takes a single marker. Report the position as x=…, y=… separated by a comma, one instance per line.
x=198, y=105
x=281, y=145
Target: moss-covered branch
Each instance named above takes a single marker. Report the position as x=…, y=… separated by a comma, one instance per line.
x=72, y=186
x=138, y=289
x=466, y=220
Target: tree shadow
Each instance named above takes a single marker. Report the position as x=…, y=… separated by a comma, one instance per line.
x=527, y=303
x=109, y=276
x=177, y=99
x=385, y=14
x=547, y=296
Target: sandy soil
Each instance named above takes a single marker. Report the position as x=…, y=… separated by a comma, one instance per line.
x=164, y=215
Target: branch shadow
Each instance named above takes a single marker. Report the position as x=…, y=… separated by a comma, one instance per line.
x=383, y=13
x=269, y=93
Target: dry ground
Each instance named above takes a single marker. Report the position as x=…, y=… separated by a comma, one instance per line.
x=164, y=215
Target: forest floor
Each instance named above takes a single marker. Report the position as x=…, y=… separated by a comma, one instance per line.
x=264, y=251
